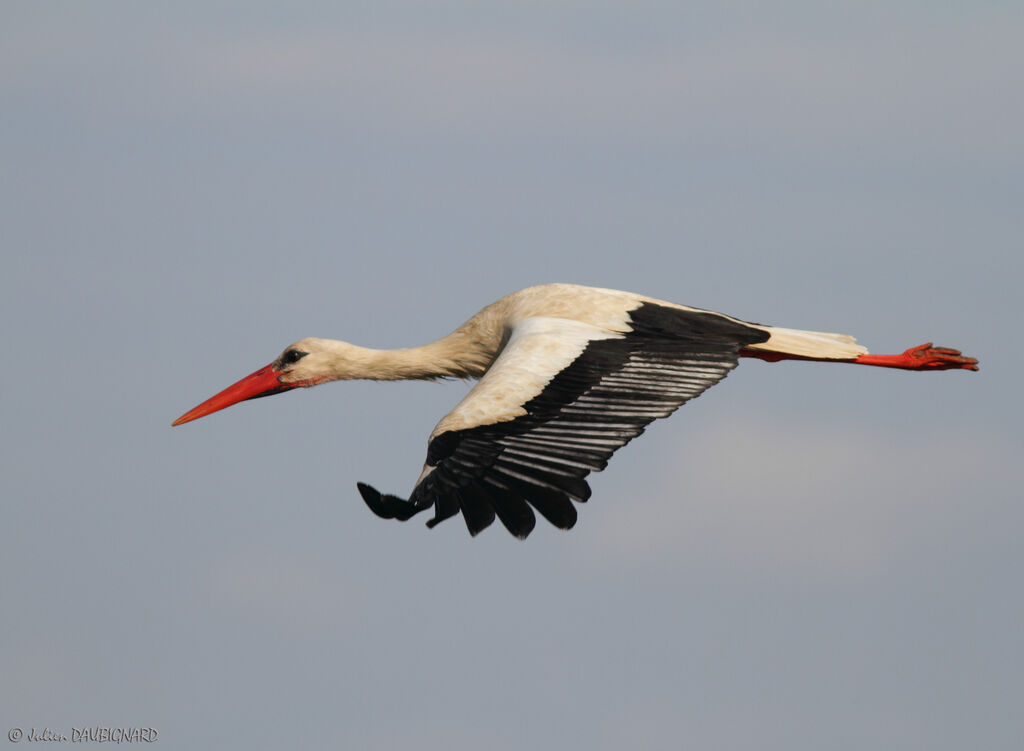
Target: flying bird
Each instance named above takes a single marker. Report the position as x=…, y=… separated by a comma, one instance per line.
x=567, y=375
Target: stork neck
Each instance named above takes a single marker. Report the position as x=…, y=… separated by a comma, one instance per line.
x=453, y=356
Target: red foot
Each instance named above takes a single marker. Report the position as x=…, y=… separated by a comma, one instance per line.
x=923, y=357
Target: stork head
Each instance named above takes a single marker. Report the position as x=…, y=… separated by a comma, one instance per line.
x=305, y=363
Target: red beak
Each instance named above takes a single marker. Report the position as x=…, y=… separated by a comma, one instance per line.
x=261, y=383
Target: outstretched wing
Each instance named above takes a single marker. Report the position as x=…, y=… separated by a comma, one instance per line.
x=557, y=402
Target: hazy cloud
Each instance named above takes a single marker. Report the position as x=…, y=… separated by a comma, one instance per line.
x=837, y=500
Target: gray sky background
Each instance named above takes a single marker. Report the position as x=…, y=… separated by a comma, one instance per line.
x=809, y=556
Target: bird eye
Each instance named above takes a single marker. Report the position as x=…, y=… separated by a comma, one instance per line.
x=292, y=356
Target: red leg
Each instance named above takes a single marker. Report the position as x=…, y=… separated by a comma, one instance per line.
x=922, y=357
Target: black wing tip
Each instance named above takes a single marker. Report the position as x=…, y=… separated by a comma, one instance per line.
x=521, y=528
x=565, y=520
x=387, y=506
x=370, y=494
x=392, y=507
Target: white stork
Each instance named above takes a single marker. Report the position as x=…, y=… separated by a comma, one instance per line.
x=567, y=375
